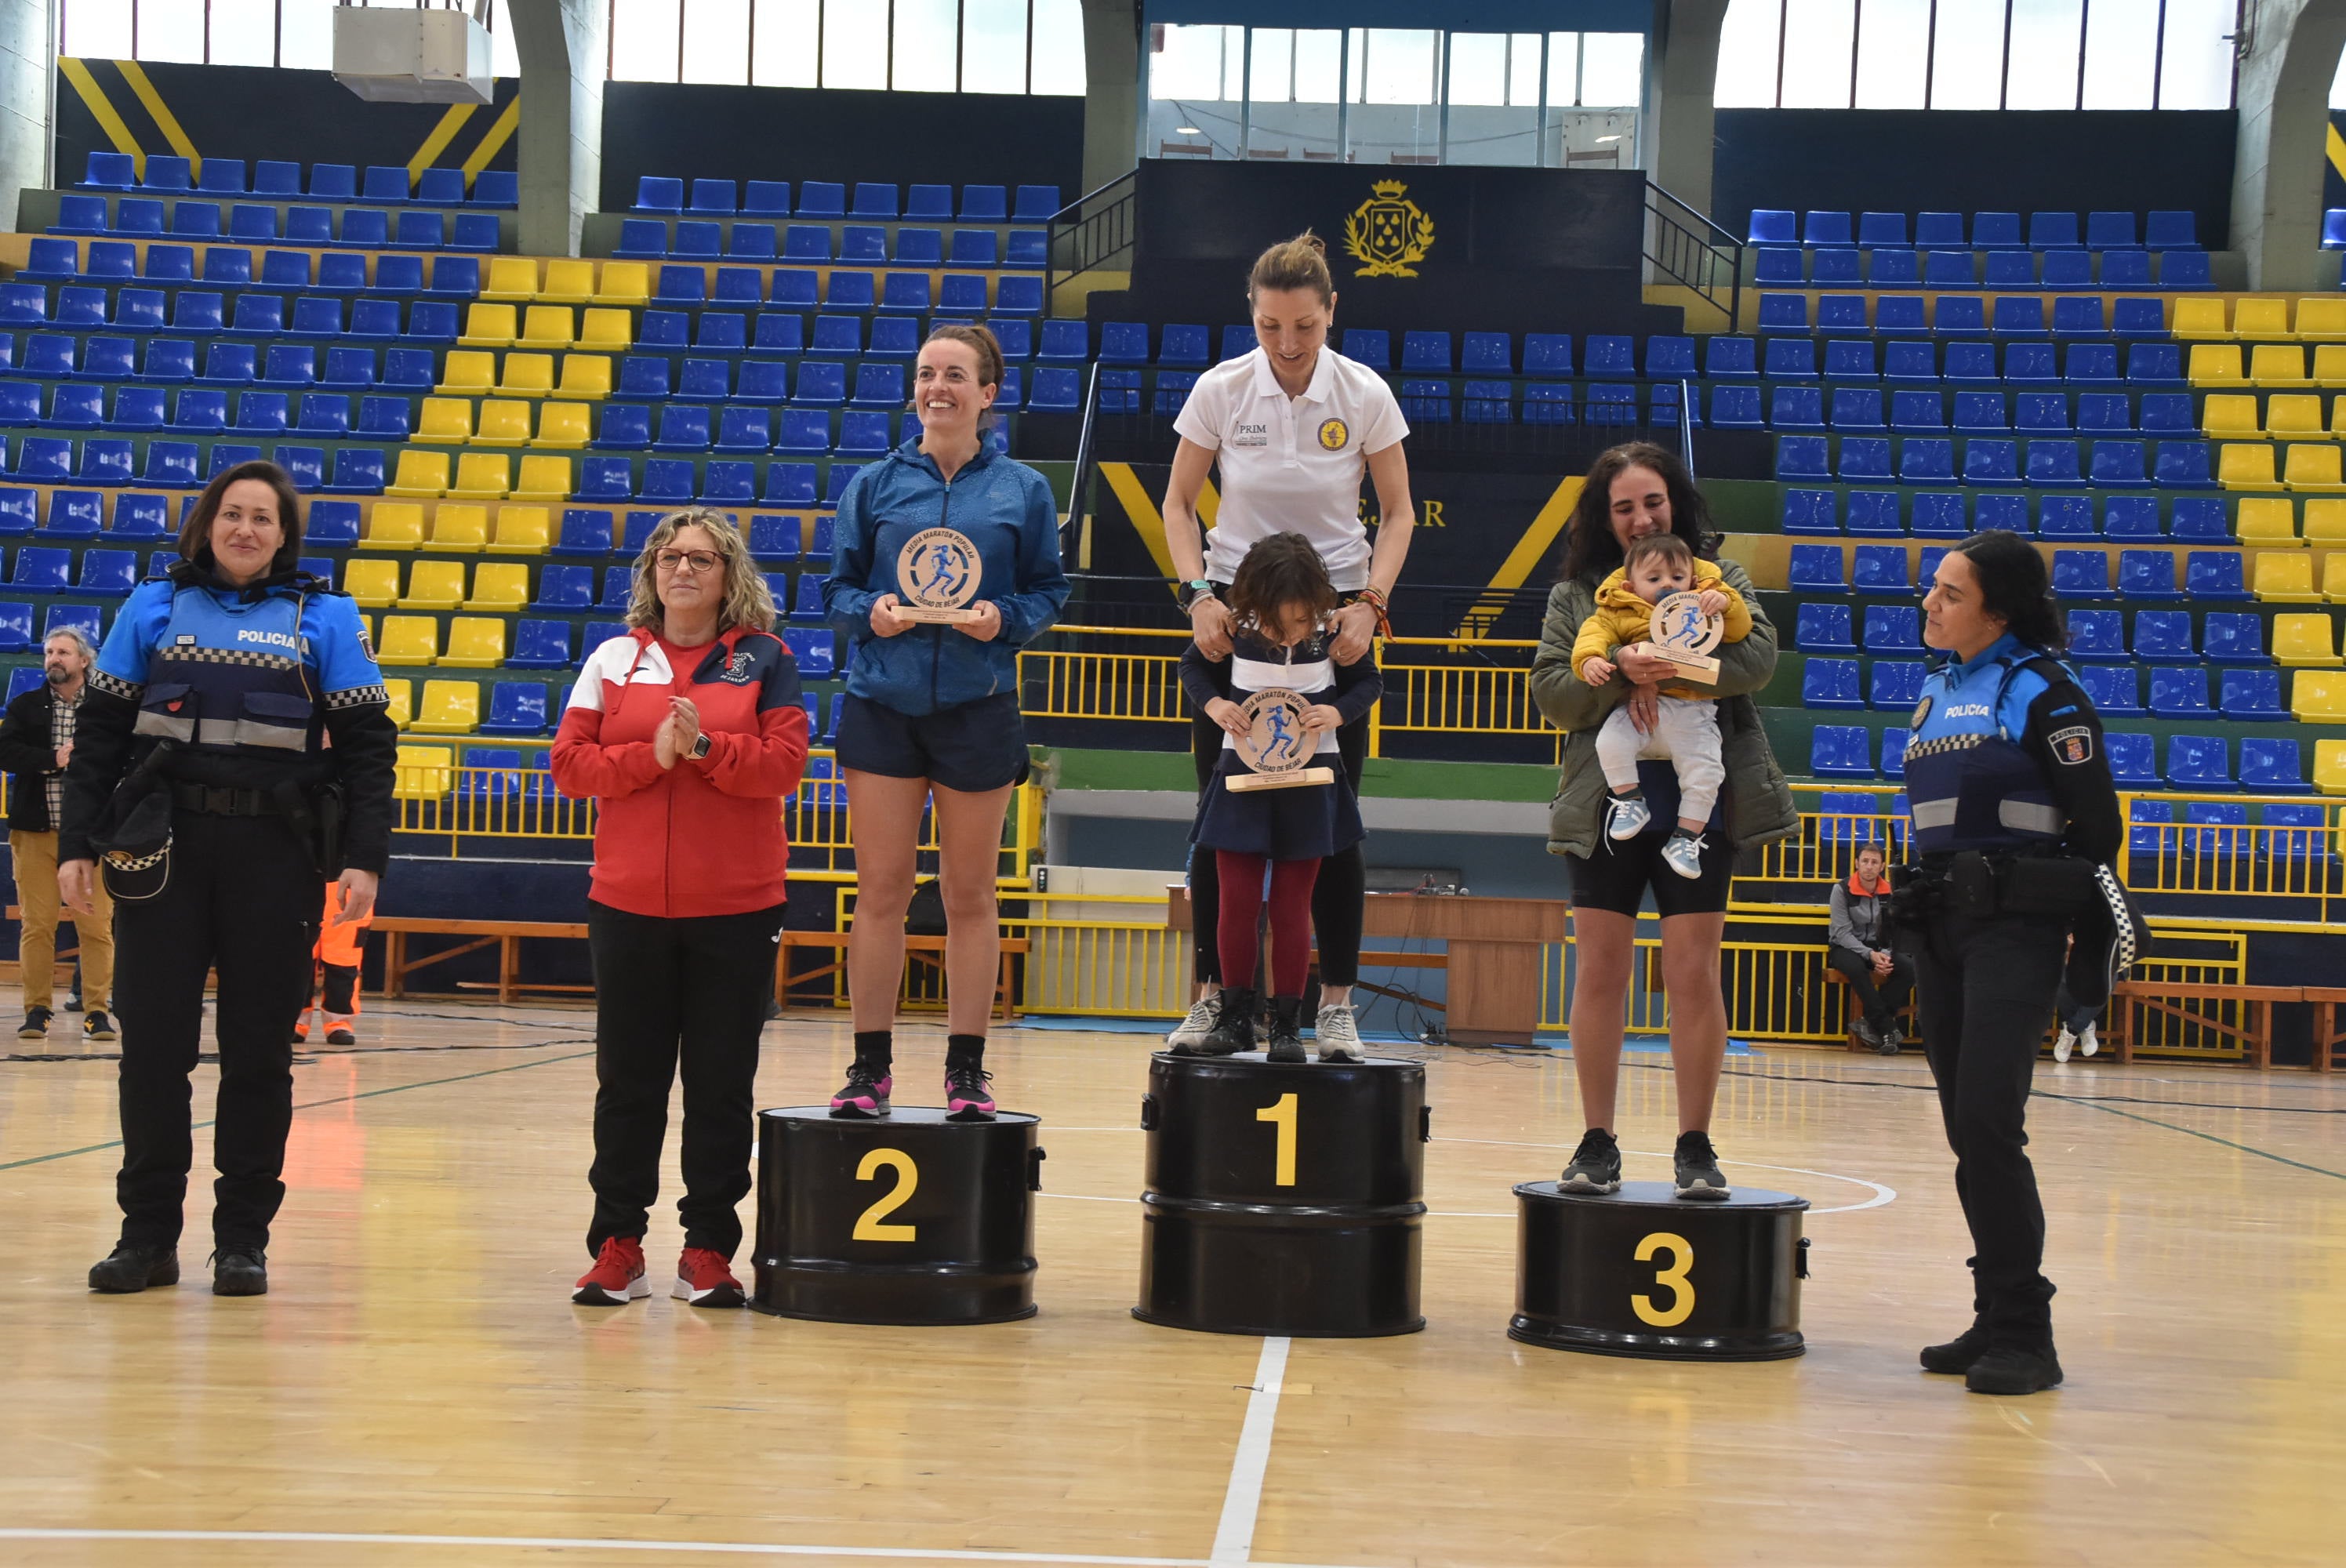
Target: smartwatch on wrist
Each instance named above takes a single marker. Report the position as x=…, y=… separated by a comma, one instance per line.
x=700, y=748
x=1189, y=593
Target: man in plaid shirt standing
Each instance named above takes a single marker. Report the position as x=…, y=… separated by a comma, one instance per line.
x=36, y=741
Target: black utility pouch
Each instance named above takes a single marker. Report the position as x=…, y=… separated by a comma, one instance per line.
x=1971, y=886
x=2047, y=885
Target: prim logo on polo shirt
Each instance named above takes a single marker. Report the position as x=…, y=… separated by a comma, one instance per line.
x=271, y=639
x=1245, y=434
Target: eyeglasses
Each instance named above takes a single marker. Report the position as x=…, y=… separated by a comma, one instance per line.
x=698, y=561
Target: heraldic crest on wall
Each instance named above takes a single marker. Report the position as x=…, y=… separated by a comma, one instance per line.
x=1388, y=233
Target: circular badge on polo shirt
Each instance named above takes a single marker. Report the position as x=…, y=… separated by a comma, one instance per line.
x=1333, y=435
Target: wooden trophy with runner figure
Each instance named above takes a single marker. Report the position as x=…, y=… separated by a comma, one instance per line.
x=1275, y=745
x=937, y=573
x=1681, y=633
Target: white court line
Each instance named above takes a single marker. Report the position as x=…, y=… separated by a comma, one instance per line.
x=582, y=1543
x=1234, y=1540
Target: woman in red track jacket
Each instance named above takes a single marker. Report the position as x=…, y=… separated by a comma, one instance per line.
x=689, y=733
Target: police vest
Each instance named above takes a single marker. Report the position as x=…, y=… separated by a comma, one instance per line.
x=1970, y=784
x=228, y=685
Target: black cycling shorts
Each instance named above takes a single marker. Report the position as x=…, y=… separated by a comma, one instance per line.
x=974, y=748
x=1617, y=874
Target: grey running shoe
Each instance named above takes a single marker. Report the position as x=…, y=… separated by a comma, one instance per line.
x=1698, y=1167
x=1595, y=1164
x=1193, y=1030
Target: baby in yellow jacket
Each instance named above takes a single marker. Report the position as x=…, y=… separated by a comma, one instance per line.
x=1686, y=729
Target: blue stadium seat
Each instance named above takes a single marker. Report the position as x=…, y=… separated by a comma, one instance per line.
x=1723, y=358
x=2081, y=574
x=2114, y=689
x=2117, y=462
x=2145, y=575
x=1816, y=568
x=2065, y=517
x=74, y=515
x=1897, y=685
x=1864, y=458
x=2103, y=412
x=684, y=427
x=659, y=193
x=1810, y=512
x=2215, y=575
x=2155, y=364
x=1790, y=359
x=2234, y=638
x=1036, y=204
x=384, y=183
x=1798, y=408
x=864, y=242
x=789, y=485
x=2131, y=517
x=1938, y=515
x=1783, y=312
x=108, y=574
x=438, y=187
x=1875, y=514
x=1909, y=361
x=1846, y=358
x=2132, y=761
x=1841, y=752
x=1772, y=226
x=1837, y=266
x=2198, y=762
x=605, y=479
x=516, y=708
x=1949, y=269
x=1797, y=456
x=2006, y=510
x=1879, y=569
x=974, y=247
x=1831, y=682
x=2184, y=270
x=1738, y=408
x=2199, y=517
x=1981, y=413
x=2053, y=463
x=2273, y=768
x=1989, y=461
x=2097, y=637
x=2182, y=692
x=1927, y=459
x=2182, y=465
x=2252, y=694
x=645, y=240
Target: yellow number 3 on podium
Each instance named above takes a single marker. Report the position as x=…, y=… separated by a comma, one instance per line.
x=1681, y=1289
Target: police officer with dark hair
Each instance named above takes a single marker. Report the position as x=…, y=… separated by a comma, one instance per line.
x=203, y=776
x=2015, y=820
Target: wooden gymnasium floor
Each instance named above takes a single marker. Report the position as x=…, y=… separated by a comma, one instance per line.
x=418, y=1389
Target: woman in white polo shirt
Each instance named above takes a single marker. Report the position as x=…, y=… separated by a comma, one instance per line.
x=1291, y=426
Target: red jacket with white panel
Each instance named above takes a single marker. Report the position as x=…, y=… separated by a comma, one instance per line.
x=704, y=837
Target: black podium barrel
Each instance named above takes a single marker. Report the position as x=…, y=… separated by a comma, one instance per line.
x=1644, y=1272
x=1283, y=1200
x=907, y=1219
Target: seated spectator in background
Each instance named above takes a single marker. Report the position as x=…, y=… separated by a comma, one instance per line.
x=1880, y=980
x=36, y=741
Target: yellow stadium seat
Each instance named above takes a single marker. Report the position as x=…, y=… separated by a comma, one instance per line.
x=2261, y=520
x=2330, y=364
x=433, y=585
x=2321, y=319
x=419, y=474
x=2333, y=577
x=584, y=376
x=522, y=531
x=2330, y=766
x=2302, y=640
x=563, y=426
x=526, y=375
x=2216, y=364
x=462, y=527
x=373, y=584
x=2199, y=316
x=2325, y=522
x=2260, y=320
x=2278, y=365
x=476, y=642
x=504, y=422
x=512, y=277
x=547, y=327
x=445, y=419
x=544, y=478
x=450, y=708
x=468, y=372
x=403, y=696
x=2245, y=466
x=2230, y=416
x=2318, y=695
x=2284, y=577
x=623, y=283
x=498, y=585
x=408, y=640
x=2291, y=415
x=489, y=326
x=423, y=772
x=568, y=281
x=481, y=476
x=2314, y=465
x=395, y=524
x=606, y=328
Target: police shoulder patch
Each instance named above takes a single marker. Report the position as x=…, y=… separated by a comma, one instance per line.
x=1922, y=712
x=2072, y=746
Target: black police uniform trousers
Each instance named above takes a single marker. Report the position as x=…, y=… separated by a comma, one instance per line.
x=1983, y=988
x=689, y=992
x=243, y=897
x=1338, y=899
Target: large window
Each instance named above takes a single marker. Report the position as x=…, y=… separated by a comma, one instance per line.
x=905, y=45
x=1980, y=55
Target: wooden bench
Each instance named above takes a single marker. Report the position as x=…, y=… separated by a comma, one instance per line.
x=504, y=935
x=2169, y=998
x=927, y=951
x=2327, y=1034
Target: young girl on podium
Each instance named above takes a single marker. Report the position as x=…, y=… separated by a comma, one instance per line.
x=1281, y=602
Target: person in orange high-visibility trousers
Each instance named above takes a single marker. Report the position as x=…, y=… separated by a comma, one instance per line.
x=341, y=950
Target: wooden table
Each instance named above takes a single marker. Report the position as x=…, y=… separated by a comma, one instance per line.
x=1494, y=954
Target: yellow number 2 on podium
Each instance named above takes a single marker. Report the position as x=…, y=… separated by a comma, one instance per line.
x=1682, y=1305
x=1280, y=1114
x=868, y=1227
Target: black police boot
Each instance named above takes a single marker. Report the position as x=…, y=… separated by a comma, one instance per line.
x=1957, y=1356
x=239, y=1269
x=130, y=1268
x=2016, y=1365
x=1286, y=1030
x=1233, y=1023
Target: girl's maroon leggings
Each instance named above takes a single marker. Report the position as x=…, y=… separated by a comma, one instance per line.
x=1291, y=919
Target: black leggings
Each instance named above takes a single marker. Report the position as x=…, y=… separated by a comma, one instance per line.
x=1878, y=1002
x=1338, y=899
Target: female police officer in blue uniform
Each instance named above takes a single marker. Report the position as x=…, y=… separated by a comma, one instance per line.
x=201, y=771
x=2014, y=812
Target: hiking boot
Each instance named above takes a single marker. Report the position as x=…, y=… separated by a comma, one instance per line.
x=617, y=1277
x=1337, y=1035
x=1956, y=1357
x=1193, y=1030
x=239, y=1270
x=2015, y=1368
x=1698, y=1167
x=1233, y=1025
x=1595, y=1164
x=342, y=1037
x=1286, y=1030
x=130, y=1268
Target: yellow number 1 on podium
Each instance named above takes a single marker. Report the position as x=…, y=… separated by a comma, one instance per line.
x=1280, y=1114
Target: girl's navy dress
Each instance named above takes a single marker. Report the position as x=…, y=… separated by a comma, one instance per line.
x=1309, y=822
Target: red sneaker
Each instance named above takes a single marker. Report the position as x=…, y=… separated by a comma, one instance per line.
x=705, y=1279
x=617, y=1277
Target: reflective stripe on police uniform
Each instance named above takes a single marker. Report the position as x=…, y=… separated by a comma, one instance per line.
x=1970, y=783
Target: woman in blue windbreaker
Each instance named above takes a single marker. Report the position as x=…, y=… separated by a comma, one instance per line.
x=931, y=711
